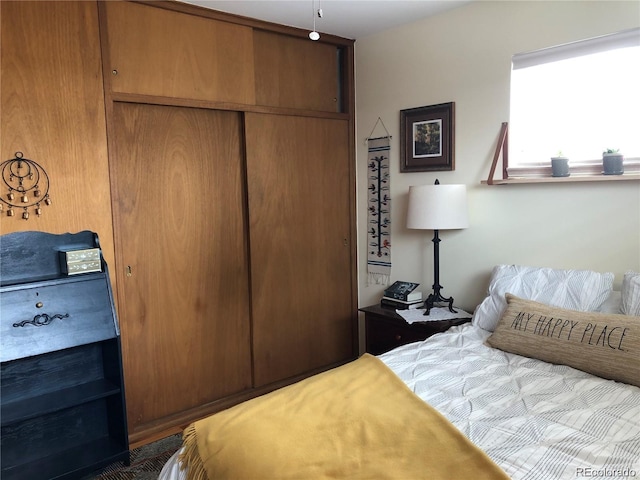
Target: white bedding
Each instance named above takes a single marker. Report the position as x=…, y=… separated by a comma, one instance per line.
x=534, y=419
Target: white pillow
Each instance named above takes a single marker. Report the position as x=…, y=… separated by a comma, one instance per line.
x=581, y=290
x=613, y=304
x=631, y=294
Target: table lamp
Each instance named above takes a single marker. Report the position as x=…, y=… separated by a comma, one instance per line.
x=437, y=207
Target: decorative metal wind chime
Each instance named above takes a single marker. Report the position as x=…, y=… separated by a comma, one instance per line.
x=28, y=185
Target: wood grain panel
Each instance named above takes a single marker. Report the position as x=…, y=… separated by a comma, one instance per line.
x=295, y=73
x=184, y=312
x=52, y=106
x=300, y=233
x=173, y=54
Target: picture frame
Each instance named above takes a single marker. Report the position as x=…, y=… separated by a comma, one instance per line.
x=427, y=138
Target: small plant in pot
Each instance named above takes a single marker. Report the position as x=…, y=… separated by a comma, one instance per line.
x=612, y=162
x=560, y=165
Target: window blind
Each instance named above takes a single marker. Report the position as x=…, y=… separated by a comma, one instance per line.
x=626, y=38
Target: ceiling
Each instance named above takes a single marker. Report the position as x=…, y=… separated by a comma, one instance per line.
x=345, y=18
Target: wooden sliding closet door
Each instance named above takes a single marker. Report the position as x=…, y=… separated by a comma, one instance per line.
x=299, y=214
x=178, y=189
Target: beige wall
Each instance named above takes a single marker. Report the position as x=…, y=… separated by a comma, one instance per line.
x=464, y=56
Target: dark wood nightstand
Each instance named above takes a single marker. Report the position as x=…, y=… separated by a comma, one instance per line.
x=385, y=329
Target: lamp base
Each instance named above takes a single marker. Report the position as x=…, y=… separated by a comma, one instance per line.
x=434, y=298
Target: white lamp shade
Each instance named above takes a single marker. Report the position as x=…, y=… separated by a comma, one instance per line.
x=437, y=207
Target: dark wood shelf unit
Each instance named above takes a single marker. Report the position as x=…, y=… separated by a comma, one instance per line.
x=34, y=407
x=57, y=466
x=62, y=409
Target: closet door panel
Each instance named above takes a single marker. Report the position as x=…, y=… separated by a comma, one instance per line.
x=178, y=194
x=174, y=54
x=295, y=73
x=299, y=212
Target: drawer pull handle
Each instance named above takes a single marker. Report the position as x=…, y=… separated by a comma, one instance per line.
x=40, y=320
x=398, y=337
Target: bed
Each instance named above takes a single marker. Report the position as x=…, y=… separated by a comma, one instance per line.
x=533, y=419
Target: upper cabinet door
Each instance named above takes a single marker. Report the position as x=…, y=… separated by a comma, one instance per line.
x=296, y=73
x=153, y=51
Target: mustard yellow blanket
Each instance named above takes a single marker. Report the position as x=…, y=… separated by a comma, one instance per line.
x=353, y=422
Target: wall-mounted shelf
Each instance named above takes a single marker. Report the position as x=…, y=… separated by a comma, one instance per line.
x=571, y=179
x=503, y=151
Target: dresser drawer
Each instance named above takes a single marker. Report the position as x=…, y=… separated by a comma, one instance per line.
x=385, y=329
x=383, y=335
x=43, y=319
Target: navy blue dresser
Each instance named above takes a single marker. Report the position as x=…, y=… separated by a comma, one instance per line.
x=62, y=398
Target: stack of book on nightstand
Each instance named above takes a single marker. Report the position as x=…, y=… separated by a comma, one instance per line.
x=402, y=295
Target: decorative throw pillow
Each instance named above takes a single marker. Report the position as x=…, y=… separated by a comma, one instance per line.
x=607, y=345
x=582, y=290
x=631, y=294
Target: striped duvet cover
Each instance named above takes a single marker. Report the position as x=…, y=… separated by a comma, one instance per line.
x=534, y=419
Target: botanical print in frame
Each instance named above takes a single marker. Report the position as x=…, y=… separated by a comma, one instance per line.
x=427, y=142
x=427, y=139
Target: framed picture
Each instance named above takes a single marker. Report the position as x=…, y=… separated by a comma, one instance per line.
x=427, y=142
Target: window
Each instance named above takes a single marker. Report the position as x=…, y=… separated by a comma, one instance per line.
x=579, y=99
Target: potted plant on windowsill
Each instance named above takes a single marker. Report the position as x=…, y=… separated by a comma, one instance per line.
x=560, y=165
x=612, y=162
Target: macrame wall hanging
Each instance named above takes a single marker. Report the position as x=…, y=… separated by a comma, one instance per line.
x=379, y=209
x=28, y=185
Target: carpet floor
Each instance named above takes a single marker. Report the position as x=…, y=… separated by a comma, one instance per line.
x=146, y=461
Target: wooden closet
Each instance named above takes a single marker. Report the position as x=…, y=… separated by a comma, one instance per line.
x=214, y=157
x=231, y=158
x=184, y=298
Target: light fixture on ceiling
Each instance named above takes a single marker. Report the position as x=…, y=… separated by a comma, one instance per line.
x=314, y=35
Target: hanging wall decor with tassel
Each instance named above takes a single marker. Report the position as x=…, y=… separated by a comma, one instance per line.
x=379, y=209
